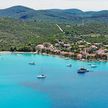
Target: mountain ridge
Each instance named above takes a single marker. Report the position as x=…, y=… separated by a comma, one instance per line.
x=54, y=15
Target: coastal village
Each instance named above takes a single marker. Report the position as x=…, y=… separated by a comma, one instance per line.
x=81, y=50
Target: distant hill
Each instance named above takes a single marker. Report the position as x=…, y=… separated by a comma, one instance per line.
x=55, y=15
x=17, y=12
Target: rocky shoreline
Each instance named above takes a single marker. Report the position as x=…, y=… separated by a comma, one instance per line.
x=51, y=54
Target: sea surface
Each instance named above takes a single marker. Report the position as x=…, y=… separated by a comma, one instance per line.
x=63, y=87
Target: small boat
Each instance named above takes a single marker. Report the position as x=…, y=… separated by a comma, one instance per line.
x=69, y=65
x=41, y=76
x=82, y=59
x=32, y=63
x=82, y=70
x=66, y=58
x=93, y=66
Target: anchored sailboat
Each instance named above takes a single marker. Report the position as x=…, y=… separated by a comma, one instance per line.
x=41, y=75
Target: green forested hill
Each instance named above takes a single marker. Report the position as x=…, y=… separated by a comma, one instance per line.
x=15, y=33
x=24, y=36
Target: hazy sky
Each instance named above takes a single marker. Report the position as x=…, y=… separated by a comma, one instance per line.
x=61, y=4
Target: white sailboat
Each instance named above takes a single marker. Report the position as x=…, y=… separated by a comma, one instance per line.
x=69, y=65
x=41, y=75
x=93, y=66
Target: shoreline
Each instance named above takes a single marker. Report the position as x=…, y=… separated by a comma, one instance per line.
x=16, y=52
x=61, y=56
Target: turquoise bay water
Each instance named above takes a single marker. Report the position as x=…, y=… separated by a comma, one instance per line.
x=63, y=87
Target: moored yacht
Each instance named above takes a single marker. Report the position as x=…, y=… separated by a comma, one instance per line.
x=32, y=63
x=83, y=70
x=41, y=76
x=93, y=66
x=69, y=65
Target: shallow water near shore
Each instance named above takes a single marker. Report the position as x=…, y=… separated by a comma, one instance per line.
x=63, y=87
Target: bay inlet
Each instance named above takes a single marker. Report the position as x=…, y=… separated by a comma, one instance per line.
x=62, y=88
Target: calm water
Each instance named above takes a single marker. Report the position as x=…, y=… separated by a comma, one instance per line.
x=63, y=87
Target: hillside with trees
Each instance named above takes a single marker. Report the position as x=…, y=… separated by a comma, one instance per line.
x=25, y=35
x=22, y=28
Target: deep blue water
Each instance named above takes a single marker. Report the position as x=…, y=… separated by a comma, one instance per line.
x=63, y=87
